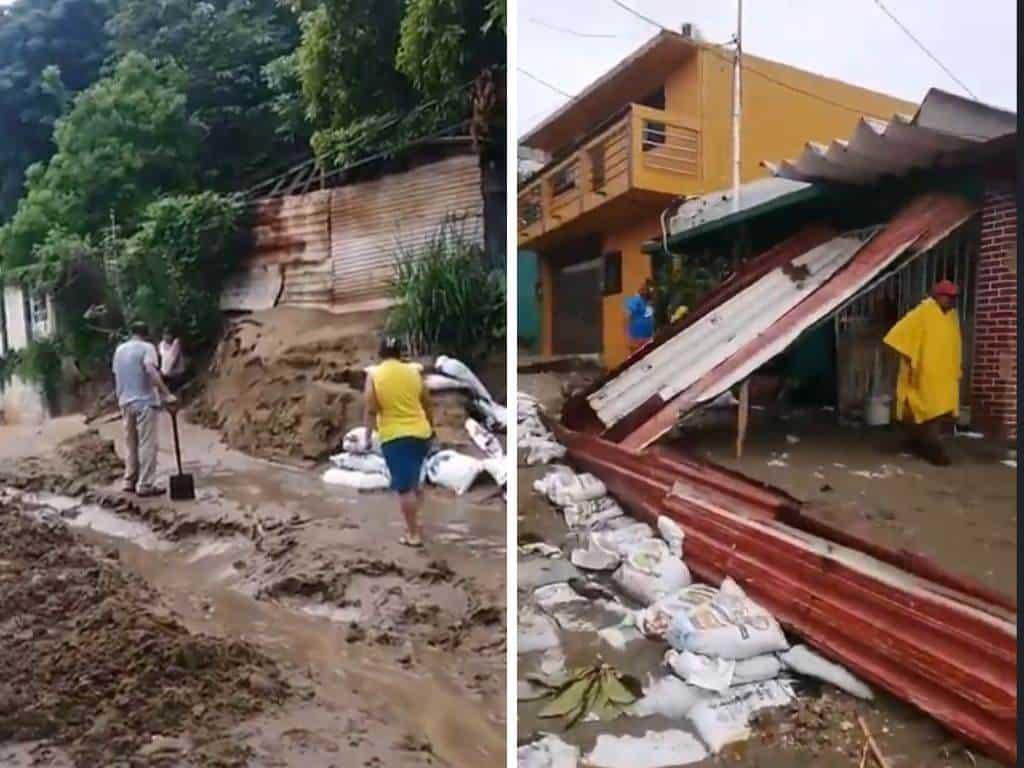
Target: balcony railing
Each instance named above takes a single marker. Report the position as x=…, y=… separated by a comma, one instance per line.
x=646, y=149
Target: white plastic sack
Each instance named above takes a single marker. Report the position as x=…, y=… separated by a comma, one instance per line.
x=723, y=719
x=361, y=462
x=548, y=752
x=484, y=440
x=555, y=475
x=355, y=441
x=592, y=514
x=497, y=469
x=804, y=661
x=732, y=626
x=361, y=481
x=656, y=620
x=667, y=696
x=649, y=571
x=526, y=406
x=672, y=534
x=536, y=632
x=620, y=540
x=701, y=671
x=594, y=559
x=533, y=427
x=449, y=366
x=495, y=414
x=436, y=382
x=573, y=490
x=542, y=451
x=453, y=470
x=756, y=669
x=652, y=750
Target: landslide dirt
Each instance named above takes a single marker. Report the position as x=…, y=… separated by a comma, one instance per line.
x=91, y=663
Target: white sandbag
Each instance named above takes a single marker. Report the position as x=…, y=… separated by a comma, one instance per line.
x=701, y=671
x=756, y=669
x=453, y=470
x=551, y=596
x=667, y=696
x=594, y=559
x=619, y=540
x=484, y=440
x=652, y=750
x=526, y=406
x=355, y=441
x=361, y=481
x=449, y=366
x=621, y=636
x=805, y=661
x=543, y=451
x=495, y=414
x=536, y=632
x=590, y=515
x=721, y=719
x=548, y=752
x=573, y=490
x=672, y=533
x=361, y=462
x=497, y=469
x=649, y=571
x=732, y=626
x=657, y=619
x=436, y=382
x=546, y=484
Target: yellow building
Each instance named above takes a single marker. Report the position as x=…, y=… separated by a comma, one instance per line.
x=656, y=127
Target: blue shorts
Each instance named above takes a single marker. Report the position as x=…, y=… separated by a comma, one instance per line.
x=404, y=457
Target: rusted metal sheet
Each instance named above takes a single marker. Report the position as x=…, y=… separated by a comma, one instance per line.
x=374, y=221
x=292, y=230
x=255, y=288
x=904, y=625
x=917, y=227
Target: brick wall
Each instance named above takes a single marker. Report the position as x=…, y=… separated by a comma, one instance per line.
x=994, y=385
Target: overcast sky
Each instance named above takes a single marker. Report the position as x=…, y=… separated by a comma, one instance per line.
x=851, y=40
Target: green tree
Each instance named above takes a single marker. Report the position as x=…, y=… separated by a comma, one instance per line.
x=126, y=141
x=49, y=50
x=225, y=49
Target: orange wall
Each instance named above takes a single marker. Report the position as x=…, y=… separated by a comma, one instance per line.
x=777, y=121
x=546, y=283
x=636, y=267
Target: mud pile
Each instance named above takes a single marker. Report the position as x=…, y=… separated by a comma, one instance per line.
x=91, y=664
x=288, y=384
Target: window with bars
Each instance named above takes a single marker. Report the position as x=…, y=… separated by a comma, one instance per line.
x=39, y=315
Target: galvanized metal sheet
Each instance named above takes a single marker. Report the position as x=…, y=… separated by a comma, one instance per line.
x=374, y=222
x=681, y=361
x=254, y=288
x=717, y=205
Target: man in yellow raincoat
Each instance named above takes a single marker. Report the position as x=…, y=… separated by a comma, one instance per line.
x=928, y=388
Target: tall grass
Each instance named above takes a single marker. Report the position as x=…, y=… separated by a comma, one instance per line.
x=448, y=301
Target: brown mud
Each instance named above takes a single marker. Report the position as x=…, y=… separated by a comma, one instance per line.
x=313, y=577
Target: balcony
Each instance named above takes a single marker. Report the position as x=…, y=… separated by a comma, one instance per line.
x=645, y=150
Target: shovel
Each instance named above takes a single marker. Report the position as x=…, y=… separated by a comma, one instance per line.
x=182, y=487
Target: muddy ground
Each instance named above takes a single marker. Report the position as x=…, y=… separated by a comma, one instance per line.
x=356, y=631
x=893, y=499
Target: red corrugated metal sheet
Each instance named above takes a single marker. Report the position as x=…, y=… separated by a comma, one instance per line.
x=290, y=230
x=920, y=633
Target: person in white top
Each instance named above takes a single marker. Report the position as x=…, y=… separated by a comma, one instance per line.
x=140, y=393
x=172, y=361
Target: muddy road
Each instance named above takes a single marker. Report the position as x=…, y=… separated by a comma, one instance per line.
x=359, y=630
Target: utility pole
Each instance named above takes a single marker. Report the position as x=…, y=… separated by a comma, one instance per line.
x=737, y=106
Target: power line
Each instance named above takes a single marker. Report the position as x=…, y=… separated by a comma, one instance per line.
x=924, y=48
x=545, y=83
x=567, y=31
x=639, y=15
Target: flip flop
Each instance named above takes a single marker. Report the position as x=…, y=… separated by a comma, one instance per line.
x=148, y=492
x=407, y=541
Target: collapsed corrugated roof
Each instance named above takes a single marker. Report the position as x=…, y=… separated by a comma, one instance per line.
x=737, y=330
x=944, y=124
x=718, y=207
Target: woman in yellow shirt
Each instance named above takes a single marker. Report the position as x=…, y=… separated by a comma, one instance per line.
x=398, y=406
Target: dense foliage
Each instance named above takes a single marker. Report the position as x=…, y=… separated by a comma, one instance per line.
x=448, y=301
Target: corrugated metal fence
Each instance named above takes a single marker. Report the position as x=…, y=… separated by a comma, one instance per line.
x=337, y=248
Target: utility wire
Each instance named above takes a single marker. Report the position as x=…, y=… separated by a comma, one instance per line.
x=567, y=31
x=545, y=83
x=639, y=15
x=924, y=48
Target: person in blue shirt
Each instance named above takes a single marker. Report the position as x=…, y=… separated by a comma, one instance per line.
x=640, y=317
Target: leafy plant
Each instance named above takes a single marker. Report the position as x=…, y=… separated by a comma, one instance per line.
x=597, y=689
x=448, y=301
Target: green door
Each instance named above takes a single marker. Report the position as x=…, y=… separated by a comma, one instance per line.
x=528, y=311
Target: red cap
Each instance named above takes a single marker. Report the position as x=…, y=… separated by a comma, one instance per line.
x=945, y=288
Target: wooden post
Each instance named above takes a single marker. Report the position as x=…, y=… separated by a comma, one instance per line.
x=742, y=415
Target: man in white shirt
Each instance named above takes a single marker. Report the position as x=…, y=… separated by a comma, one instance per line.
x=140, y=388
x=172, y=361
